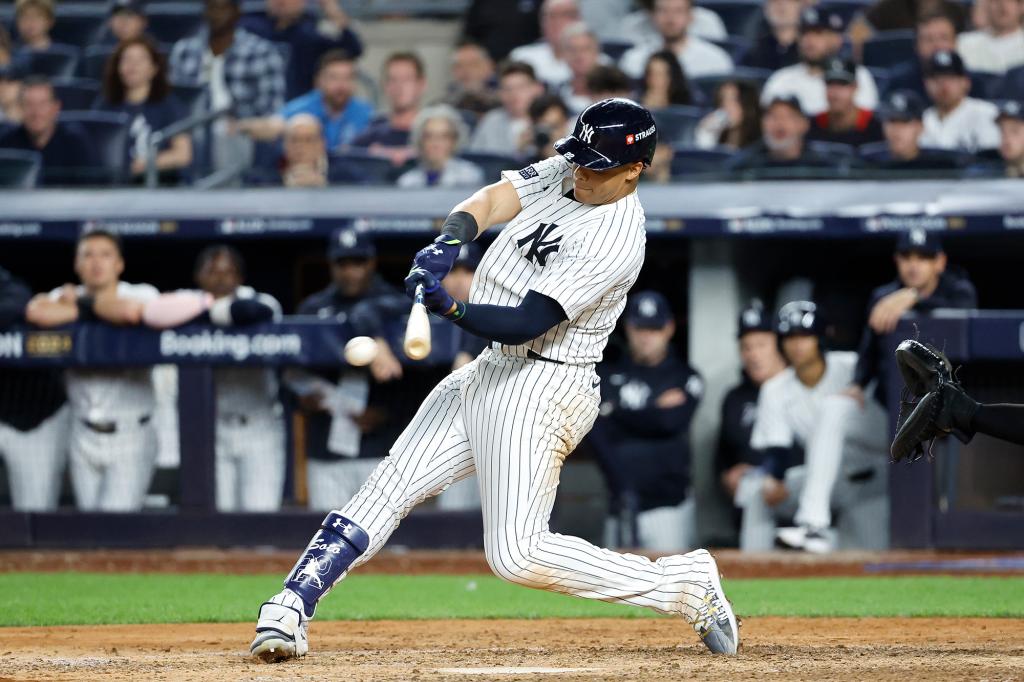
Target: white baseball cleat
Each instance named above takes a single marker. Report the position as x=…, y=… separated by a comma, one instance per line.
x=716, y=623
x=812, y=540
x=281, y=629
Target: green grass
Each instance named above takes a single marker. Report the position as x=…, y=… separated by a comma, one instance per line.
x=93, y=598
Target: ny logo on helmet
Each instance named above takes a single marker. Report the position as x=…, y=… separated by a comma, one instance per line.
x=588, y=132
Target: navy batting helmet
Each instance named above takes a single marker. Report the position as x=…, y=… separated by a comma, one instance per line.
x=800, y=317
x=611, y=133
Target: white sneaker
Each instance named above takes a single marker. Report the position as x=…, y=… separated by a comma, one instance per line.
x=716, y=623
x=281, y=631
x=807, y=539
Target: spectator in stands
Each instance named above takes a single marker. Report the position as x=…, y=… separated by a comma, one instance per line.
x=697, y=56
x=664, y=84
x=760, y=360
x=606, y=81
x=501, y=131
x=135, y=83
x=923, y=284
x=34, y=20
x=1011, y=129
x=304, y=163
x=344, y=408
x=67, y=155
x=547, y=57
x=242, y=72
x=472, y=87
x=934, y=32
x=901, y=114
x=736, y=120
x=582, y=52
x=641, y=436
x=502, y=26
x=776, y=45
x=342, y=115
x=640, y=28
x=845, y=448
x=307, y=36
x=821, y=37
x=127, y=21
x=438, y=134
x=6, y=47
x=896, y=15
x=387, y=135
x=1000, y=46
x=660, y=170
x=784, y=126
x=113, y=443
x=550, y=120
x=10, y=90
x=33, y=417
x=955, y=120
x=844, y=122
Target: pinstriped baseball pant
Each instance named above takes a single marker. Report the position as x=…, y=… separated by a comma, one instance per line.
x=514, y=421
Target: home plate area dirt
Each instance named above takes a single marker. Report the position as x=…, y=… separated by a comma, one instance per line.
x=875, y=649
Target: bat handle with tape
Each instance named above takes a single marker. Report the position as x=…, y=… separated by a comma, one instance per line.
x=417, y=331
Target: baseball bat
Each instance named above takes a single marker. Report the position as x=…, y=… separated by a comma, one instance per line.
x=417, y=331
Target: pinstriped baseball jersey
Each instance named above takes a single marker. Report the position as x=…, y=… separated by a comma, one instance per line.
x=585, y=257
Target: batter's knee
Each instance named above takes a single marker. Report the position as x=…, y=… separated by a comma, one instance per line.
x=515, y=560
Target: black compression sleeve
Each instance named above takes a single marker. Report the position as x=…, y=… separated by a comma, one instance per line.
x=512, y=326
x=1004, y=421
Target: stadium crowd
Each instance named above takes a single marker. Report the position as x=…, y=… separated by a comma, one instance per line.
x=780, y=89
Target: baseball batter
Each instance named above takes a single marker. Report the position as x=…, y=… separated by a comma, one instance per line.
x=547, y=294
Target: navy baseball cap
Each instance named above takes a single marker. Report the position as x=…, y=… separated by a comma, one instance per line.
x=754, y=318
x=800, y=317
x=1010, y=109
x=945, y=63
x=469, y=256
x=611, y=133
x=902, y=105
x=841, y=71
x=920, y=241
x=350, y=243
x=790, y=101
x=648, y=310
x=817, y=19
x=133, y=6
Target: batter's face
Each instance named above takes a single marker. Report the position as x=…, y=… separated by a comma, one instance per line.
x=759, y=353
x=98, y=263
x=219, y=276
x=649, y=346
x=801, y=350
x=352, y=276
x=918, y=270
x=605, y=187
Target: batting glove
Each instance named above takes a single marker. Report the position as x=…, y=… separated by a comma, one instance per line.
x=438, y=258
x=436, y=299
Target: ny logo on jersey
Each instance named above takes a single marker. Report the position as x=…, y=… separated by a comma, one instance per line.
x=539, y=249
x=587, y=133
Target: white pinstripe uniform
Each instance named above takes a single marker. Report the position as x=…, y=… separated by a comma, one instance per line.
x=513, y=418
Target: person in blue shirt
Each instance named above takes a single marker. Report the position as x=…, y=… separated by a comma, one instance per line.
x=308, y=37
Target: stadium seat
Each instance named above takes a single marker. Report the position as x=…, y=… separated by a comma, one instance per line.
x=847, y=9
x=108, y=132
x=986, y=85
x=59, y=61
x=736, y=46
x=469, y=117
x=77, y=93
x=79, y=26
x=1013, y=84
x=741, y=17
x=688, y=161
x=615, y=48
x=169, y=22
x=707, y=85
x=888, y=48
x=676, y=124
x=883, y=78
x=360, y=168
x=492, y=164
x=19, y=169
x=94, y=61
x=834, y=150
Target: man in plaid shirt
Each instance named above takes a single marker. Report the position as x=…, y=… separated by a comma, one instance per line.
x=240, y=69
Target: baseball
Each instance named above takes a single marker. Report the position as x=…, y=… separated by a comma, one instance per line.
x=360, y=351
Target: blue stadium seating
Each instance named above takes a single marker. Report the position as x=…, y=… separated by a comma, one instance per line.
x=19, y=169
x=59, y=61
x=707, y=85
x=76, y=93
x=847, y=9
x=94, y=61
x=987, y=85
x=492, y=164
x=79, y=26
x=888, y=48
x=741, y=17
x=688, y=161
x=615, y=48
x=883, y=77
x=172, y=21
x=736, y=46
x=108, y=132
x=676, y=124
x=1013, y=84
x=360, y=168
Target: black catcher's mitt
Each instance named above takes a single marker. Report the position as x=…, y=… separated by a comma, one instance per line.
x=924, y=368
x=919, y=427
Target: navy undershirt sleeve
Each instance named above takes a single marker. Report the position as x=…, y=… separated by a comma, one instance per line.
x=513, y=325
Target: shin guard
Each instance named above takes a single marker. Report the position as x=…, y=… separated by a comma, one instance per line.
x=328, y=556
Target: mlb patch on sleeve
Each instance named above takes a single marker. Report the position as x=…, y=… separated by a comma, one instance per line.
x=528, y=172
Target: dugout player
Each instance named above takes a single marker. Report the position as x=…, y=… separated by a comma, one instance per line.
x=344, y=407
x=802, y=408
x=113, y=443
x=642, y=434
x=249, y=428
x=547, y=294
x=761, y=360
x=33, y=417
